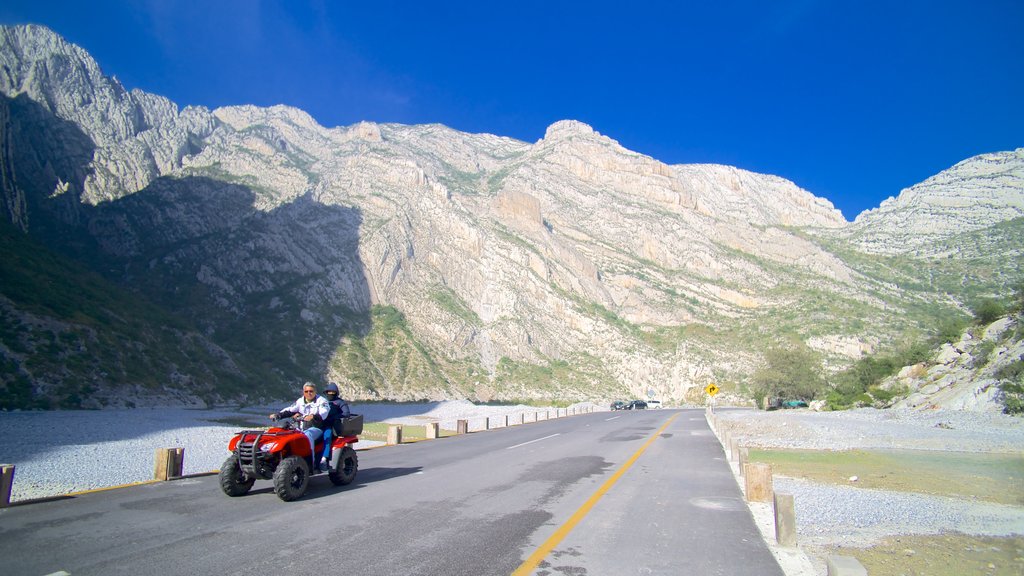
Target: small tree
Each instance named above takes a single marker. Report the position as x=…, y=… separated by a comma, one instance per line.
x=792, y=371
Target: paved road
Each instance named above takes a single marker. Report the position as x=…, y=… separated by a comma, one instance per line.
x=472, y=505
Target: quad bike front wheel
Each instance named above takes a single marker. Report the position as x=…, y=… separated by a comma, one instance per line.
x=291, y=478
x=233, y=481
x=345, y=473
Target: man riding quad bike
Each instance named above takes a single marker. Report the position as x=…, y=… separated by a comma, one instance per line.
x=283, y=454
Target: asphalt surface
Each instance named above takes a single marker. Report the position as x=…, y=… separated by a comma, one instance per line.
x=473, y=505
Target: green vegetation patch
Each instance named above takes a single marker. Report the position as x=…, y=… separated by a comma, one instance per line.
x=951, y=554
x=988, y=477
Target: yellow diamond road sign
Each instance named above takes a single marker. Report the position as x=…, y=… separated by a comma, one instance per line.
x=711, y=389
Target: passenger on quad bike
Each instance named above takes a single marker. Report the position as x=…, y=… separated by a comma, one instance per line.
x=311, y=410
x=339, y=409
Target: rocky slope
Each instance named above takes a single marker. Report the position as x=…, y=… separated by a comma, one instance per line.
x=972, y=195
x=422, y=262
x=965, y=375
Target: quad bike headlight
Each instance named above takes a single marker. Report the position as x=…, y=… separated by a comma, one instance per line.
x=268, y=446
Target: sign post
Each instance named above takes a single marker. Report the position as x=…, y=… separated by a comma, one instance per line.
x=711, y=390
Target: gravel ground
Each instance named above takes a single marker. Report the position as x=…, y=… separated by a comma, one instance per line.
x=62, y=452
x=829, y=515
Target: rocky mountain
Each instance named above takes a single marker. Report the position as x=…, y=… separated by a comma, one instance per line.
x=422, y=262
x=973, y=195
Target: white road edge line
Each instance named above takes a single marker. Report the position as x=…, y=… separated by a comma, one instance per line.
x=612, y=418
x=532, y=441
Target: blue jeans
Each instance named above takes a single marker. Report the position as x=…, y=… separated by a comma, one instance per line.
x=327, y=444
x=313, y=434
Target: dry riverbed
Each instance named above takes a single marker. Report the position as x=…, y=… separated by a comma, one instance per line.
x=905, y=492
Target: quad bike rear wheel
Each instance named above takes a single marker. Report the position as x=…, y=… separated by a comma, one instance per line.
x=291, y=478
x=345, y=473
x=233, y=481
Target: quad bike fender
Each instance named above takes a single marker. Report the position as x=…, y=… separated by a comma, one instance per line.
x=337, y=445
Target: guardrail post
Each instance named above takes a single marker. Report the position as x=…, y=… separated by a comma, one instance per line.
x=463, y=426
x=394, y=435
x=6, y=484
x=169, y=463
x=522, y=418
x=432, y=430
x=507, y=423
x=844, y=566
x=758, y=478
x=487, y=423
x=785, y=519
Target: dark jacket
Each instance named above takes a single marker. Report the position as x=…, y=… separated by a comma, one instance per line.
x=339, y=409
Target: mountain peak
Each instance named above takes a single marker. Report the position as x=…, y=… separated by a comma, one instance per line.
x=567, y=129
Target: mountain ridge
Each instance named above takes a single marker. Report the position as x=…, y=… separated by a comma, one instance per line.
x=567, y=267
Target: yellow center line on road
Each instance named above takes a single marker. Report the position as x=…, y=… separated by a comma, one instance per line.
x=528, y=566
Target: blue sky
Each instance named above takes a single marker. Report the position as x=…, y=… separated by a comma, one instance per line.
x=851, y=100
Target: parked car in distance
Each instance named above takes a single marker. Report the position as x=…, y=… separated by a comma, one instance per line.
x=618, y=405
x=637, y=405
x=654, y=404
x=778, y=403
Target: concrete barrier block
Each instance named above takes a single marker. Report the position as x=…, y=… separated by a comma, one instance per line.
x=462, y=427
x=844, y=566
x=394, y=435
x=433, y=430
x=785, y=519
x=758, y=482
x=169, y=463
x=6, y=484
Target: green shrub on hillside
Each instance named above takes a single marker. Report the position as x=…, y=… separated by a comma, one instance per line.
x=858, y=385
x=987, y=311
x=791, y=372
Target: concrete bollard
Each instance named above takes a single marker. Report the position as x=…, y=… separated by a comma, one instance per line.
x=734, y=449
x=744, y=457
x=507, y=421
x=758, y=477
x=726, y=438
x=844, y=566
x=433, y=430
x=6, y=484
x=522, y=418
x=785, y=520
x=487, y=423
x=169, y=463
x=394, y=435
x=536, y=416
x=462, y=426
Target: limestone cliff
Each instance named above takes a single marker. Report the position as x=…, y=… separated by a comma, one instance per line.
x=419, y=261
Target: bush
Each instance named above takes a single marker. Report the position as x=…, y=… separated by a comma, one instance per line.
x=981, y=353
x=1011, y=387
x=792, y=372
x=949, y=330
x=987, y=311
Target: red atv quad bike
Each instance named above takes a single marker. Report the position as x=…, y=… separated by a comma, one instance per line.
x=282, y=454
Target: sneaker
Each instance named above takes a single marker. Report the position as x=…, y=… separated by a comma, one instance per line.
x=324, y=465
